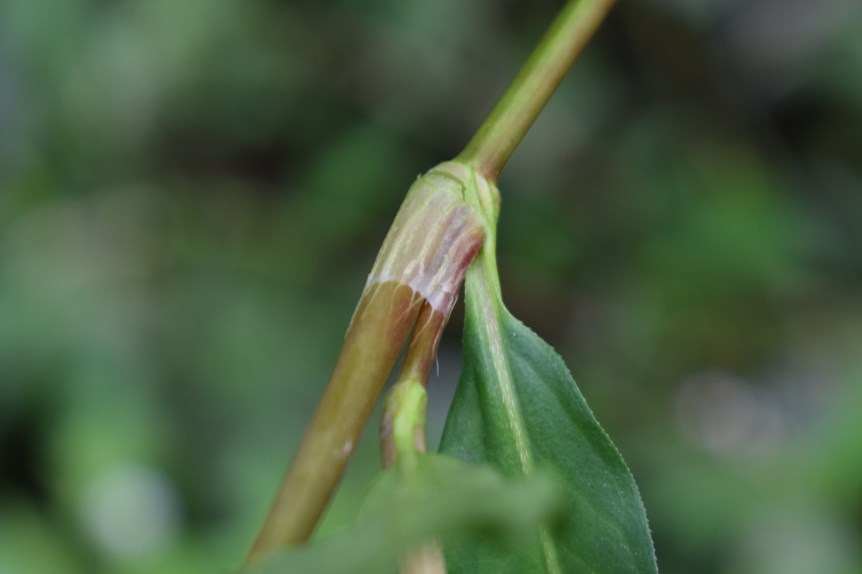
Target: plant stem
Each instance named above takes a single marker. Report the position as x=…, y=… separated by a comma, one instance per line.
x=434, y=238
x=505, y=126
x=422, y=263
x=376, y=335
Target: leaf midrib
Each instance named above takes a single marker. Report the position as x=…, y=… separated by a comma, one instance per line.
x=490, y=311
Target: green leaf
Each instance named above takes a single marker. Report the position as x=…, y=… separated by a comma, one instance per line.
x=440, y=498
x=518, y=409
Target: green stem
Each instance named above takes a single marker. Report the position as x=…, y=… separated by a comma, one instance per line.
x=505, y=126
x=420, y=267
x=384, y=317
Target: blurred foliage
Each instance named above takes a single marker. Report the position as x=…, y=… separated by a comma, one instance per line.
x=191, y=193
x=440, y=499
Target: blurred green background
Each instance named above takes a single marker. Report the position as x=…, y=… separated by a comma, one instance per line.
x=192, y=192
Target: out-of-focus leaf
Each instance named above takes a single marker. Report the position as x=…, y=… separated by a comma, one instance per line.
x=518, y=408
x=443, y=498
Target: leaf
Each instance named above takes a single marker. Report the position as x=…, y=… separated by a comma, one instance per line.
x=518, y=409
x=440, y=498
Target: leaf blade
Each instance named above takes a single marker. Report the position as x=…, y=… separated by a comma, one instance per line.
x=517, y=407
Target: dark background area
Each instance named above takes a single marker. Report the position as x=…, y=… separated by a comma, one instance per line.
x=192, y=192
